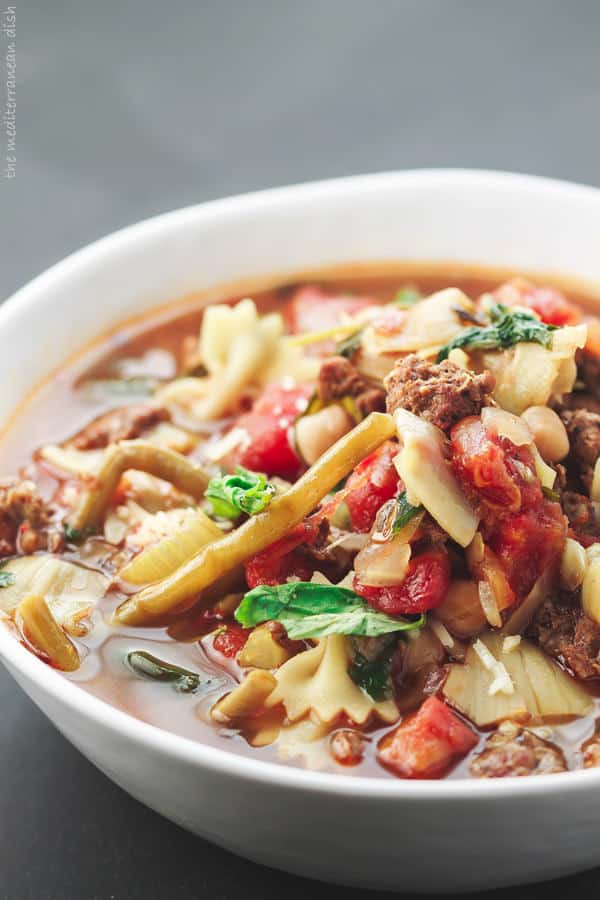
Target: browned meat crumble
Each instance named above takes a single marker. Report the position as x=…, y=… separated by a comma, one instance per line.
x=513, y=750
x=125, y=423
x=583, y=428
x=338, y=378
x=441, y=393
x=563, y=631
x=25, y=520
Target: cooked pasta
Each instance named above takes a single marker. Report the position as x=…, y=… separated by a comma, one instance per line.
x=351, y=526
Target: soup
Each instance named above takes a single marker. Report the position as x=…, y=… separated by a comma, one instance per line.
x=351, y=525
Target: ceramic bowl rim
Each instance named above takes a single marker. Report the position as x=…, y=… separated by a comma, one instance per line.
x=105, y=716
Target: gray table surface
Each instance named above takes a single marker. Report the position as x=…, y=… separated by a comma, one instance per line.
x=126, y=109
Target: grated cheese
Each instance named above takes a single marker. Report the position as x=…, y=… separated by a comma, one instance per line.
x=487, y=598
x=441, y=633
x=502, y=682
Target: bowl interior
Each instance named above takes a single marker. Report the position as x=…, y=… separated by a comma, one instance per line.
x=488, y=219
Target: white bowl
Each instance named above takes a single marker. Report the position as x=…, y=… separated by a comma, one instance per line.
x=402, y=835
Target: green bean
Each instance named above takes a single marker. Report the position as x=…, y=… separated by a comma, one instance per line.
x=184, y=474
x=284, y=513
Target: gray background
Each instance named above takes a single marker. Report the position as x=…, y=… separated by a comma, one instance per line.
x=126, y=109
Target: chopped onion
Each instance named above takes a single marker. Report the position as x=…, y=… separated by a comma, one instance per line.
x=507, y=425
x=489, y=605
x=379, y=565
x=428, y=478
x=524, y=613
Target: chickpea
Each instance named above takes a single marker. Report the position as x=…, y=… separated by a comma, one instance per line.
x=461, y=611
x=318, y=432
x=549, y=433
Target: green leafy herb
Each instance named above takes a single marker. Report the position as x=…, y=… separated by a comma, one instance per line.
x=373, y=675
x=549, y=494
x=405, y=511
x=407, y=297
x=308, y=610
x=183, y=680
x=509, y=327
x=7, y=578
x=245, y=492
x=350, y=345
x=76, y=535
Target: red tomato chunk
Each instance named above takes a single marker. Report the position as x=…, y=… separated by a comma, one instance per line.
x=374, y=481
x=269, y=425
x=525, y=530
x=428, y=743
x=285, y=558
x=230, y=641
x=550, y=305
x=530, y=543
x=314, y=309
x=425, y=586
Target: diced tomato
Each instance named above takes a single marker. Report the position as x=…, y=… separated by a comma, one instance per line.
x=390, y=320
x=492, y=469
x=269, y=426
x=314, y=309
x=425, y=586
x=230, y=641
x=551, y=306
x=529, y=543
x=374, y=481
x=525, y=531
x=480, y=463
x=428, y=743
x=286, y=557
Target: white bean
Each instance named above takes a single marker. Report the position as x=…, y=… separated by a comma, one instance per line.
x=549, y=433
x=318, y=432
x=572, y=565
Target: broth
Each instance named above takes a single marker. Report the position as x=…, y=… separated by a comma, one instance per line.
x=58, y=409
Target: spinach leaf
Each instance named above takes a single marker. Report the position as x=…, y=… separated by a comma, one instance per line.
x=75, y=535
x=405, y=511
x=373, y=675
x=183, y=680
x=508, y=327
x=407, y=297
x=308, y=610
x=245, y=492
x=350, y=345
